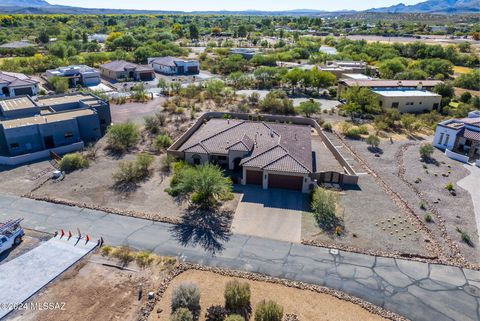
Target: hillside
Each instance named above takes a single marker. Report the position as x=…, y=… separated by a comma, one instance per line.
x=434, y=6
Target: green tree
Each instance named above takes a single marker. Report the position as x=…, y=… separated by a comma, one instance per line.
x=360, y=100
x=206, y=184
x=391, y=67
x=268, y=311
x=121, y=137
x=309, y=107
x=193, y=31
x=426, y=151
x=469, y=80
x=72, y=162
x=324, y=208
x=182, y=314
x=321, y=79
x=59, y=84
x=162, y=141
x=293, y=78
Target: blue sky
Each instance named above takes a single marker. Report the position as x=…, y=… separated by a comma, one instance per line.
x=193, y=5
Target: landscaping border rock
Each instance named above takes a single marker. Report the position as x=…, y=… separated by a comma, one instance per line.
x=183, y=267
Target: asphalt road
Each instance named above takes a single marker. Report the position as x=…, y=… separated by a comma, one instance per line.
x=419, y=291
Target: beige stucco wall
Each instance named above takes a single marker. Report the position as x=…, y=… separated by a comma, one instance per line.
x=420, y=103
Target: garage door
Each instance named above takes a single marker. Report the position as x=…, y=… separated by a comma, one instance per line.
x=23, y=91
x=285, y=182
x=146, y=76
x=254, y=177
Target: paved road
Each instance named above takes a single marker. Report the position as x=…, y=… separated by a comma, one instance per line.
x=418, y=291
x=24, y=276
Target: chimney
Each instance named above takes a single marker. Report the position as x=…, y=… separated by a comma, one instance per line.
x=420, y=85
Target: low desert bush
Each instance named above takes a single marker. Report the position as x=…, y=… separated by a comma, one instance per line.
x=144, y=258
x=216, y=313
x=124, y=255
x=324, y=206
x=106, y=250
x=426, y=151
x=130, y=172
x=186, y=295
x=268, y=311
x=72, y=162
x=237, y=298
x=182, y=314
x=162, y=141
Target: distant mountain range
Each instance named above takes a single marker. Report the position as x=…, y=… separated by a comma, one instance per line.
x=429, y=6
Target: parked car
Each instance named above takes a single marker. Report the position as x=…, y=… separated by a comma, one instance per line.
x=11, y=234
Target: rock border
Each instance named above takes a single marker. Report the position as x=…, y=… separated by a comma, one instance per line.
x=184, y=267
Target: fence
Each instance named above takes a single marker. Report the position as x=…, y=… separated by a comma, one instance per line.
x=27, y=158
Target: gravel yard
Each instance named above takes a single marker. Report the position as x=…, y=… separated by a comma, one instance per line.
x=418, y=183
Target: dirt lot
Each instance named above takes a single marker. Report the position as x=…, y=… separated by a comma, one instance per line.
x=93, y=291
x=31, y=240
x=135, y=112
x=95, y=185
x=23, y=179
x=427, y=185
x=307, y=305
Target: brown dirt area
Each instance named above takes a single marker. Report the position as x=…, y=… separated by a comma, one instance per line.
x=307, y=305
x=93, y=291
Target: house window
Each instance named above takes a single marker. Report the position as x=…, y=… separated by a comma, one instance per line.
x=435, y=106
x=468, y=142
x=447, y=139
x=68, y=135
x=394, y=105
x=441, y=139
x=14, y=145
x=222, y=158
x=196, y=159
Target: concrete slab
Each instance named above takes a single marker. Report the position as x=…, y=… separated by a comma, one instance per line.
x=470, y=183
x=26, y=275
x=272, y=214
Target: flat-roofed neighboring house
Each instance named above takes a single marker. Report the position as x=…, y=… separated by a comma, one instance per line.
x=76, y=75
x=408, y=100
x=17, y=44
x=246, y=53
x=346, y=83
x=460, y=138
x=174, y=66
x=16, y=84
x=30, y=126
x=328, y=50
x=121, y=70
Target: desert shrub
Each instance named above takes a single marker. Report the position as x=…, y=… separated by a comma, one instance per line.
x=235, y=317
x=121, y=137
x=166, y=162
x=373, y=141
x=237, y=298
x=428, y=218
x=72, y=162
x=153, y=124
x=144, y=258
x=186, y=295
x=162, y=141
x=324, y=207
x=426, y=151
x=59, y=84
x=124, y=255
x=464, y=236
x=449, y=187
x=133, y=171
x=106, y=250
x=182, y=314
x=216, y=313
x=327, y=127
x=268, y=311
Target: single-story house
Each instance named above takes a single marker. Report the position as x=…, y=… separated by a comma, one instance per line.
x=121, y=70
x=460, y=136
x=174, y=66
x=18, y=44
x=29, y=126
x=345, y=83
x=16, y=84
x=76, y=75
x=271, y=155
x=408, y=100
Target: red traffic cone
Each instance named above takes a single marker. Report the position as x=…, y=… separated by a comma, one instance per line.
x=87, y=239
x=69, y=234
x=62, y=234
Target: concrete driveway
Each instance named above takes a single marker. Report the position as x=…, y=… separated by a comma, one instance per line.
x=471, y=183
x=273, y=214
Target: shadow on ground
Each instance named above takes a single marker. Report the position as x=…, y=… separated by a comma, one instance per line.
x=208, y=229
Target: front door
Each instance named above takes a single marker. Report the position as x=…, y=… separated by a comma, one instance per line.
x=49, y=143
